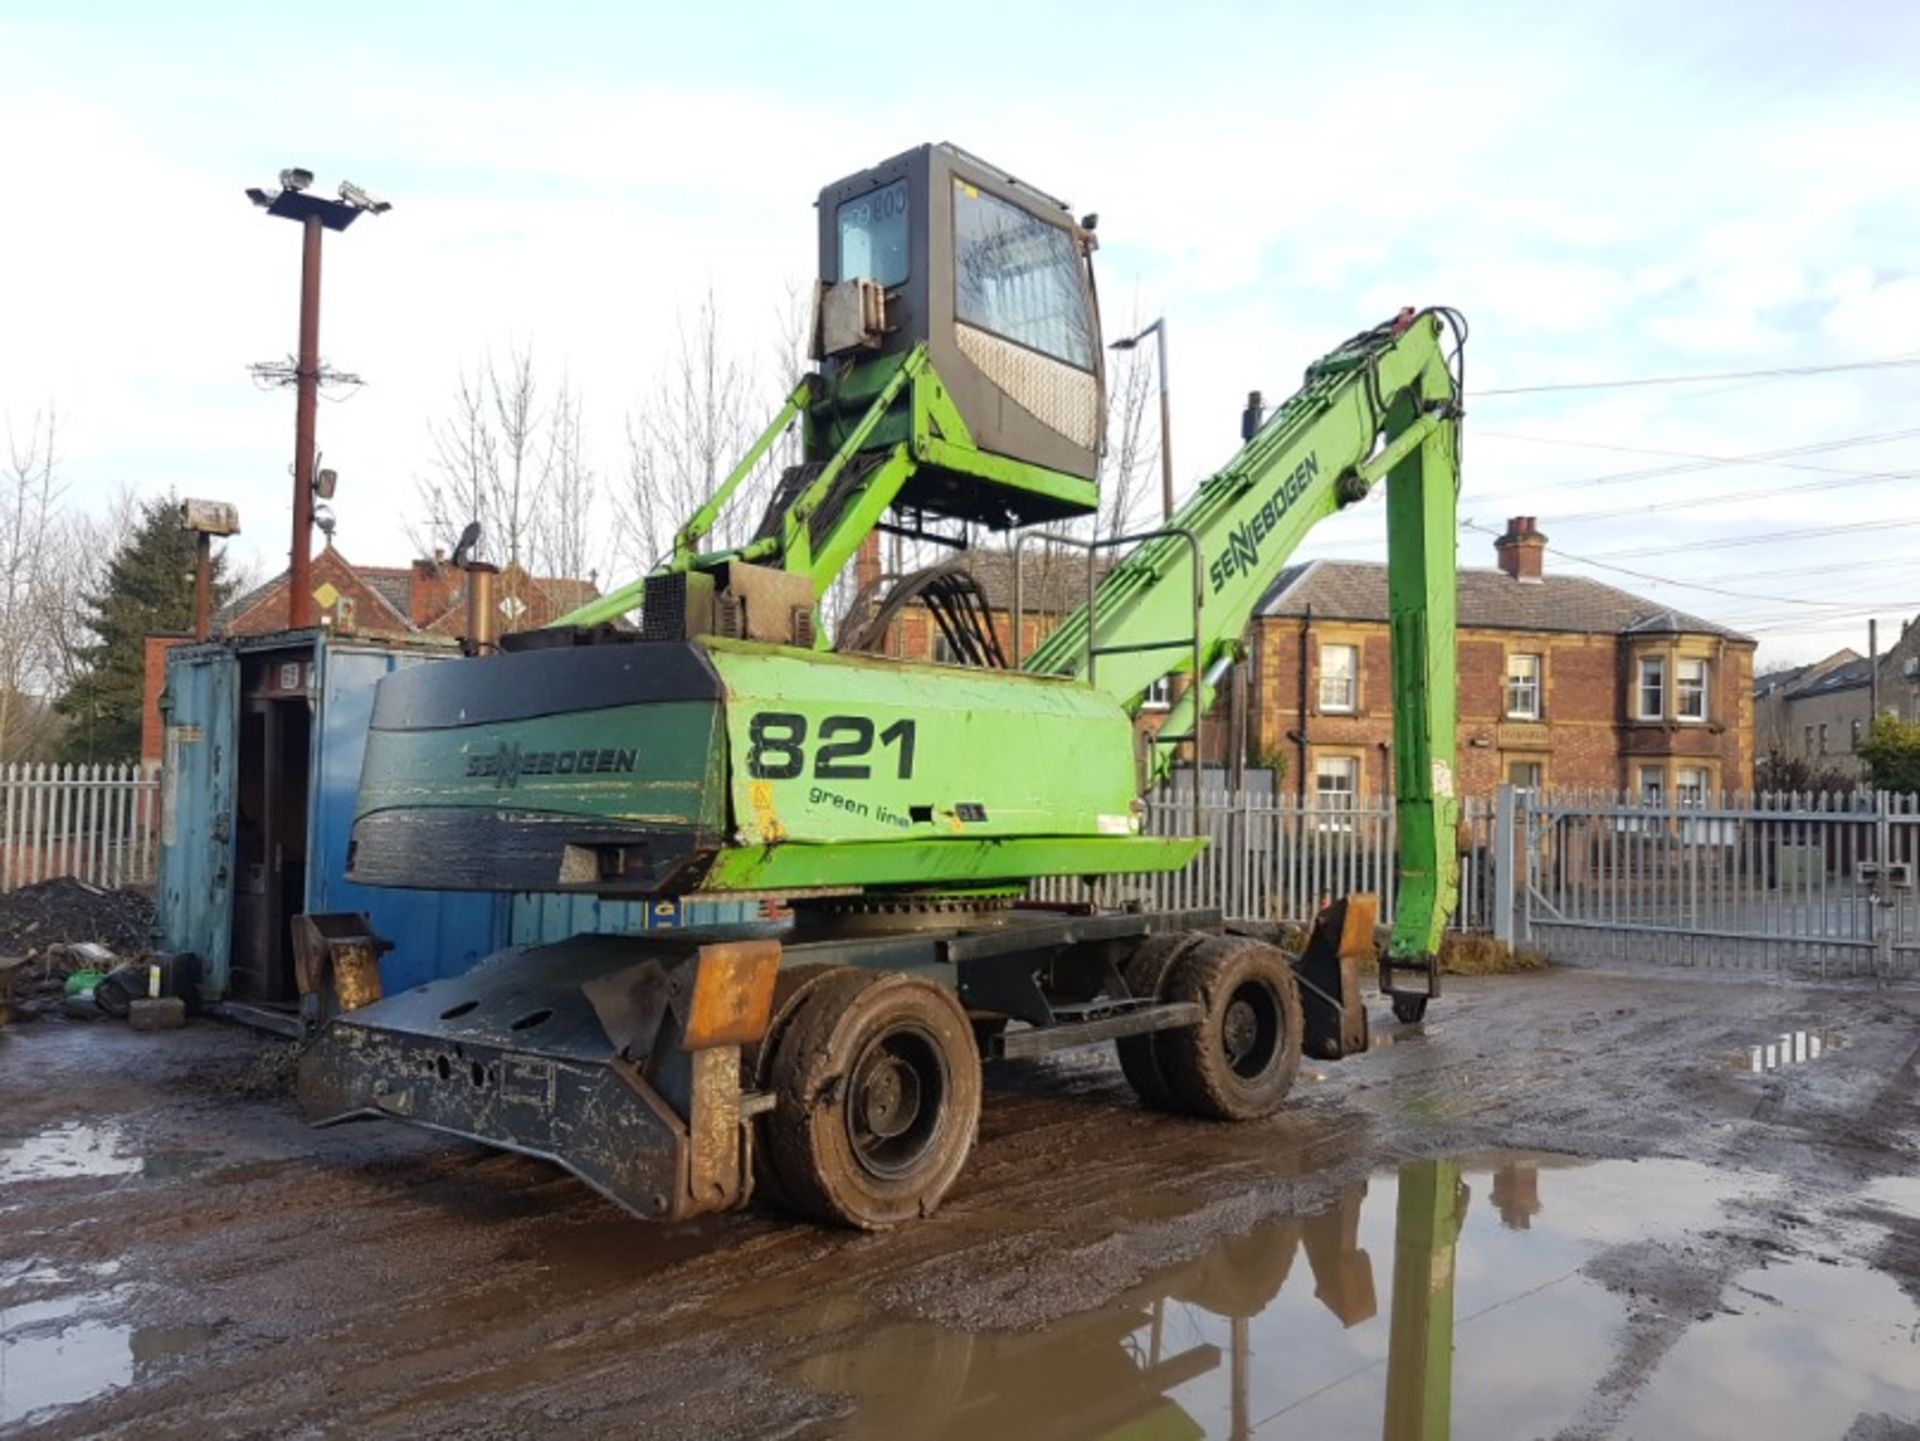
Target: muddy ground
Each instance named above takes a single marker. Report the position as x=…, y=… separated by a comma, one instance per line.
x=180, y=1257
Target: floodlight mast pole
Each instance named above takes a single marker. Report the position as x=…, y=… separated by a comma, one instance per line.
x=307, y=393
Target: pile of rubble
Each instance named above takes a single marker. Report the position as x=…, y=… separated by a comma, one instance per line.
x=63, y=911
x=57, y=929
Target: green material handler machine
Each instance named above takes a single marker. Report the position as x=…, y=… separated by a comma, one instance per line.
x=726, y=748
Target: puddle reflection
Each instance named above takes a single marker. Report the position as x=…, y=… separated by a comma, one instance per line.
x=1791, y=1048
x=64, y=1350
x=1445, y=1299
x=76, y=1148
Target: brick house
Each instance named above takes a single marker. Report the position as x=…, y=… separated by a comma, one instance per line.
x=427, y=598
x=1564, y=682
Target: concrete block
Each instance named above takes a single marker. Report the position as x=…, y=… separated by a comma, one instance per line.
x=168, y=1013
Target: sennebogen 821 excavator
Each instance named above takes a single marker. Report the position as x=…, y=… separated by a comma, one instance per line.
x=724, y=748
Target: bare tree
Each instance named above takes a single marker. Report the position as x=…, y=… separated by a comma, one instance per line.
x=492, y=457
x=30, y=517
x=566, y=537
x=685, y=440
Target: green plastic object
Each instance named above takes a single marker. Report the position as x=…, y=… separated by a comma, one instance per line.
x=81, y=982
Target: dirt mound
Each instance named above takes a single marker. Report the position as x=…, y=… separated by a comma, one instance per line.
x=65, y=911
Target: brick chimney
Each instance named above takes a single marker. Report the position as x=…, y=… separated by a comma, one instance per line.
x=1522, y=551
x=430, y=590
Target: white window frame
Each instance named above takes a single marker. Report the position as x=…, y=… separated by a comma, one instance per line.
x=1519, y=685
x=1694, y=692
x=1656, y=794
x=1691, y=785
x=1654, y=667
x=1351, y=680
x=1159, y=695
x=1327, y=768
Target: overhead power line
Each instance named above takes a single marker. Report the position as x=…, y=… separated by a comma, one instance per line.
x=1777, y=458
x=1650, y=577
x=1803, y=533
x=1777, y=373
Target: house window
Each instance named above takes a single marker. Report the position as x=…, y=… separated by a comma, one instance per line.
x=1653, y=786
x=1523, y=775
x=1523, y=687
x=1807, y=749
x=1857, y=729
x=1159, y=695
x=943, y=650
x=1651, y=699
x=1339, y=677
x=1336, y=781
x=1690, y=690
x=1823, y=738
x=1690, y=786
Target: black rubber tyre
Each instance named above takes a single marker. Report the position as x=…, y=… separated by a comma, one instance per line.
x=1410, y=1010
x=1146, y=974
x=876, y=1083
x=1238, y=1063
x=790, y=987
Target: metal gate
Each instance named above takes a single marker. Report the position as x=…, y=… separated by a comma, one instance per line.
x=1821, y=885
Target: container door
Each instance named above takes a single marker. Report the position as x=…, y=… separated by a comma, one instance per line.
x=434, y=933
x=194, y=894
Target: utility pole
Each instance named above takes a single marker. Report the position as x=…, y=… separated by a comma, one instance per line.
x=1158, y=330
x=315, y=214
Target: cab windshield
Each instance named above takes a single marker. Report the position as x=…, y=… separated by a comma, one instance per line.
x=1019, y=277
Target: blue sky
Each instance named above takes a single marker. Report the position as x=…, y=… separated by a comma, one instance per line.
x=1608, y=190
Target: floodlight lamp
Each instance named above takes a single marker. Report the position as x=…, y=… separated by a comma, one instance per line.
x=295, y=178
x=324, y=482
x=360, y=200
x=323, y=517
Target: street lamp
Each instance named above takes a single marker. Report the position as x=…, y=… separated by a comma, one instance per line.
x=294, y=201
x=1159, y=331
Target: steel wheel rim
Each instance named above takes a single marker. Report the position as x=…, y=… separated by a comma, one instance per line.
x=896, y=1097
x=1250, y=1030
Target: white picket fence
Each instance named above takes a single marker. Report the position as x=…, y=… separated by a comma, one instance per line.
x=95, y=823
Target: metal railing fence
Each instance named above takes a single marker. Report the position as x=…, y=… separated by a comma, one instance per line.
x=1827, y=884
x=1272, y=858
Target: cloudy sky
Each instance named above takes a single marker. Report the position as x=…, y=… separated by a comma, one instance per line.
x=1610, y=191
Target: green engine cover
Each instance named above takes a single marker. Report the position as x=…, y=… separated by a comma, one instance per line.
x=670, y=768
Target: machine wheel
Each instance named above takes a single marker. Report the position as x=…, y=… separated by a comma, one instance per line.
x=1146, y=974
x=1238, y=1063
x=790, y=987
x=1409, y=1010
x=876, y=1081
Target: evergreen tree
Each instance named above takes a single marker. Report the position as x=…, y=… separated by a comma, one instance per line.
x=148, y=591
x=1892, y=753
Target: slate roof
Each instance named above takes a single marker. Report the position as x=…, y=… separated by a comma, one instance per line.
x=1489, y=600
x=1855, y=674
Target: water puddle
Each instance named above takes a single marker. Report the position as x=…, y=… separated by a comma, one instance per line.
x=1788, y=1049
x=1447, y=1298
x=73, y=1149
x=59, y=1351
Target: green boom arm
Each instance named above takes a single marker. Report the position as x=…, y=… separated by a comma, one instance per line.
x=1385, y=405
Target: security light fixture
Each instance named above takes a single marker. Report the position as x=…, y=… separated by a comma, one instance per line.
x=323, y=518
x=295, y=177
x=324, y=482
x=360, y=200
